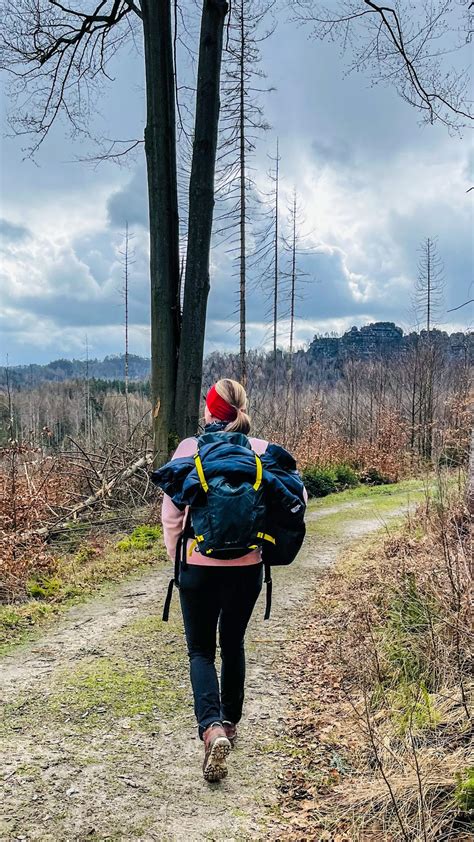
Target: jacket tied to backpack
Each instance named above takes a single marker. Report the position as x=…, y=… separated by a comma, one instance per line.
x=237, y=501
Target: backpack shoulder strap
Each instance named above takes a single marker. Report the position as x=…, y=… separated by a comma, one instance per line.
x=179, y=563
x=269, y=584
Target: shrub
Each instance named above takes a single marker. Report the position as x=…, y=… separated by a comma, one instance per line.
x=346, y=477
x=319, y=481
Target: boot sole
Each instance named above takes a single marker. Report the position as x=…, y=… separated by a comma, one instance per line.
x=216, y=767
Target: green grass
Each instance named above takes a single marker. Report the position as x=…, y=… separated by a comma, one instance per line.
x=376, y=492
x=366, y=504
x=142, y=538
x=464, y=792
x=144, y=681
x=77, y=577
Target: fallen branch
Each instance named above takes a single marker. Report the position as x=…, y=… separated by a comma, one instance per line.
x=104, y=491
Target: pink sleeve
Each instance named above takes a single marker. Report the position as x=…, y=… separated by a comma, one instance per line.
x=173, y=521
x=172, y=518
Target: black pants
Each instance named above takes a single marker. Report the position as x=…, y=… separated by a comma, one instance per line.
x=211, y=596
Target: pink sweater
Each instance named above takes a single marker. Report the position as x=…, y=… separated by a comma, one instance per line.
x=173, y=519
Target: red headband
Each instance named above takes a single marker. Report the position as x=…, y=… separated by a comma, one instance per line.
x=218, y=407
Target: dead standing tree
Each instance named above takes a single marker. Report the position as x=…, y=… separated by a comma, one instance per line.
x=242, y=121
x=127, y=257
x=266, y=256
x=56, y=54
x=428, y=302
x=294, y=245
x=429, y=285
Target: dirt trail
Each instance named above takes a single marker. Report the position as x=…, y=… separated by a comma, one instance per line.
x=99, y=738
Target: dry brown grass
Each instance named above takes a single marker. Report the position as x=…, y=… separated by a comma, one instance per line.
x=381, y=733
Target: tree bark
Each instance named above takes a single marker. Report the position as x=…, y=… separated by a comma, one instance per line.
x=160, y=151
x=243, y=247
x=201, y=208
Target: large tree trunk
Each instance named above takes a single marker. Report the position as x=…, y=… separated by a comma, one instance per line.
x=201, y=208
x=160, y=151
x=243, y=219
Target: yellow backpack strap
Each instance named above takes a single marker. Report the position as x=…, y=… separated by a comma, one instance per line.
x=266, y=537
x=200, y=470
x=258, y=480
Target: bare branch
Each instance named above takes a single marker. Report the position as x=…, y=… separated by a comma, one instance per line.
x=55, y=56
x=471, y=300
x=403, y=48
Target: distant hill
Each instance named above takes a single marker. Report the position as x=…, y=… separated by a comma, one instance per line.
x=110, y=368
x=380, y=339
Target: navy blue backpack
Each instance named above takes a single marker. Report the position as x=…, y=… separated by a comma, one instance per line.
x=238, y=501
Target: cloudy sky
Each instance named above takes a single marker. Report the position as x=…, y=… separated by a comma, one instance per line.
x=372, y=183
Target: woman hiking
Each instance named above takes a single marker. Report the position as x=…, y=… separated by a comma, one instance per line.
x=216, y=594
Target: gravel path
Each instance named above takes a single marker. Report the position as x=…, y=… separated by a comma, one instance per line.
x=99, y=741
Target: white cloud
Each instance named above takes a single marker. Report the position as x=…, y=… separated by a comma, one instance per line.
x=372, y=183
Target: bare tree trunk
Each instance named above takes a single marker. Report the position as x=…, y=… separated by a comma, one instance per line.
x=275, y=274
x=87, y=400
x=125, y=295
x=201, y=208
x=243, y=356
x=293, y=281
x=428, y=285
x=160, y=151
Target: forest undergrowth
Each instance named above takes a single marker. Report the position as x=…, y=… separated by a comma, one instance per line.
x=379, y=743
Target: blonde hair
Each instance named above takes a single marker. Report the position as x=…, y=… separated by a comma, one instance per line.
x=234, y=393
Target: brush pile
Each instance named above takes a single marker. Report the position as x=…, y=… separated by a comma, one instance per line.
x=44, y=495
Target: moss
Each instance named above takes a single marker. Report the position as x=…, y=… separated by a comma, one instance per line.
x=276, y=746
x=99, y=692
x=142, y=538
x=21, y=622
x=43, y=587
x=104, y=683
x=146, y=628
x=85, y=553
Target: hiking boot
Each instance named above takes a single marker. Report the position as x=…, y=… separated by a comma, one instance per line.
x=216, y=749
x=230, y=731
